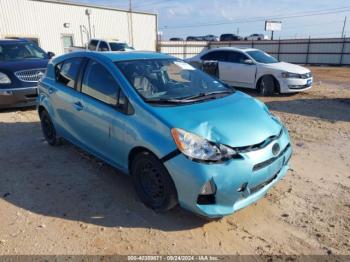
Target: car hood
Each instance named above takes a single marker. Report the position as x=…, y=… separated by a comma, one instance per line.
x=18, y=65
x=287, y=67
x=236, y=120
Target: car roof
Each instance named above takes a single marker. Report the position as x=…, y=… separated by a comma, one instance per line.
x=9, y=41
x=115, y=56
x=233, y=49
x=109, y=40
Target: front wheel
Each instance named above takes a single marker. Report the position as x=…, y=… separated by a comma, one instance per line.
x=153, y=183
x=48, y=128
x=267, y=86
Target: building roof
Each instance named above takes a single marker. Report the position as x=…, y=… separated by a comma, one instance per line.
x=65, y=2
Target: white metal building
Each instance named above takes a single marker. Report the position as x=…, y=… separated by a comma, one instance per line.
x=56, y=25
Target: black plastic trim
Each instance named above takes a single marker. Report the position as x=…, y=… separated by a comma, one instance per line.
x=171, y=155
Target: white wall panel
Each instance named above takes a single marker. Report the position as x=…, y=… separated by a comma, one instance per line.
x=44, y=20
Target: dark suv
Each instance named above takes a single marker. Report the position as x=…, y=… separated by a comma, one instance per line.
x=22, y=63
x=230, y=37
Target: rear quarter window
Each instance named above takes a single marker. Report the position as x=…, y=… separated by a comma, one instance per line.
x=67, y=71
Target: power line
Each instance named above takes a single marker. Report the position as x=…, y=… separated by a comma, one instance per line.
x=257, y=19
x=151, y=3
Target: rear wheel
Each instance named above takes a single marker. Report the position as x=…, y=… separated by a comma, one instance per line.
x=153, y=183
x=48, y=128
x=267, y=86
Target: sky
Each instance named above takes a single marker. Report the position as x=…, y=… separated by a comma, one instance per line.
x=300, y=18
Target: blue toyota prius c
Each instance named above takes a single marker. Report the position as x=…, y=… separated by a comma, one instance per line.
x=184, y=137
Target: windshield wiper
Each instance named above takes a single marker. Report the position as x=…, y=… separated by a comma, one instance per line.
x=206, y=94
x=167, y=101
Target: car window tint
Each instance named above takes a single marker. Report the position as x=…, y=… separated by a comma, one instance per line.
x=103, y=46
x=216, y=56
x=235, y=57
x=99, y=83
x=92, y=45
x=67, y=71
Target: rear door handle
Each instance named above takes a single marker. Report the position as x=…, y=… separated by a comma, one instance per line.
x=78, y=106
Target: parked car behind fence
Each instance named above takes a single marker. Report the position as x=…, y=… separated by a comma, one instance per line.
x=230, y=37
x=255, y=69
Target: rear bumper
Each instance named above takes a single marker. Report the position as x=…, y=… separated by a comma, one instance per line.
x=18, y=97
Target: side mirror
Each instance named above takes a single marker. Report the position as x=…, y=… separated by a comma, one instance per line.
x=248, y=62
x=50, y=55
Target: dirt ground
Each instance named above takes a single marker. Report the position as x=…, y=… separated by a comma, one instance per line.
x=60, y=200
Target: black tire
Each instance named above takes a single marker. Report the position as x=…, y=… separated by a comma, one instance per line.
x=153, y=183
x=48, y=128
x=267, y=86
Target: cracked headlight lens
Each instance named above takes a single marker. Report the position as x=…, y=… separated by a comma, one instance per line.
x=198, y=148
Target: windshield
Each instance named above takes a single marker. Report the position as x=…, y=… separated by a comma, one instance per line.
x=19, y=51
x=169, y=79
x=262, y=57
x=119, y=46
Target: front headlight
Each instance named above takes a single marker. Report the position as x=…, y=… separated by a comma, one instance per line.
x=4, y=79
x=290, y=75
x=199, y=148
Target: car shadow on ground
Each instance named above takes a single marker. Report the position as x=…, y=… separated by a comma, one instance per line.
x=65, y=182
x=17, y=109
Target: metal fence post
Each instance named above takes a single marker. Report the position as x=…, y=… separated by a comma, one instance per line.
x=252, y=43
x=308, y=50
x=279, y=48
x=185, y=50
x=342, y=52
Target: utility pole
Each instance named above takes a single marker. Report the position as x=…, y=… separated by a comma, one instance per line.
x=88, y=13
x=344, y=25
x=131, y=24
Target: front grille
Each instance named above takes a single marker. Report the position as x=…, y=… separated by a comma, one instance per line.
x=261, y=145
x=31, y=75
x=260, y=186
x=271, y=160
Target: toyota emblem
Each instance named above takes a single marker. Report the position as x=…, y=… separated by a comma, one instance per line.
x=275, y=149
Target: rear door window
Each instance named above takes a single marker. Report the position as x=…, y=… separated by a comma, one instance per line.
x=236, y=57
x=67, y=71
x=215, y=56
x=92, y=45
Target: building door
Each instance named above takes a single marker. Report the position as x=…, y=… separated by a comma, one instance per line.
x=67, y=41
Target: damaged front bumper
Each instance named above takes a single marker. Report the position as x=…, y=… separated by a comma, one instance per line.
x=239, y=182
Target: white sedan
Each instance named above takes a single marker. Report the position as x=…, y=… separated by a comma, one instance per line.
x=255, y=69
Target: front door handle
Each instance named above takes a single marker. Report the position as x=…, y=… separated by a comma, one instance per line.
x=78, y=106
x=51, y=90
